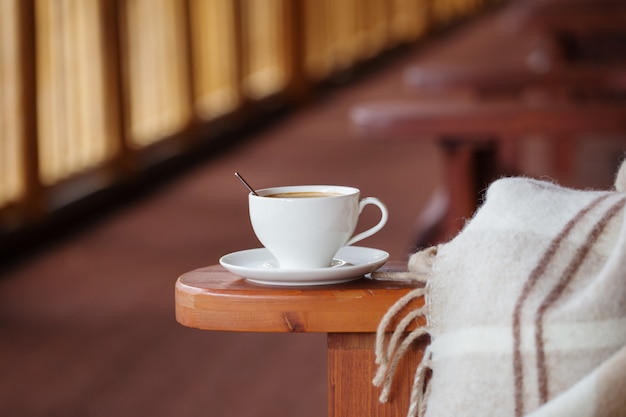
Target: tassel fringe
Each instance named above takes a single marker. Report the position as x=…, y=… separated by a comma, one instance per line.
x=390, y=352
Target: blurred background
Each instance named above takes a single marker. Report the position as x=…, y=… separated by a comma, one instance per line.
x=121, y=126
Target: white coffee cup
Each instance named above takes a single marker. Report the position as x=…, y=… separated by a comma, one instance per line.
x=304, y=226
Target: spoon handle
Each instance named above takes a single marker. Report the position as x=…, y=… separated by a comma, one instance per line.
x=244, y=182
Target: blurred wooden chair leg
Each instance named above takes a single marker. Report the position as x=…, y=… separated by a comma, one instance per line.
x=470, y=165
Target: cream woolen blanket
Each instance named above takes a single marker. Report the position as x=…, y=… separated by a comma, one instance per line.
x=525, y=308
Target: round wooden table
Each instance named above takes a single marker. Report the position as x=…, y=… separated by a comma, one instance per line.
x=212, y=298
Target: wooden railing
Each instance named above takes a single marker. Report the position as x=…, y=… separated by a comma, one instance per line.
x=94, y=91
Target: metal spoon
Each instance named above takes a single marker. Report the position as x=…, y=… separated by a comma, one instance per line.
x=245, y=183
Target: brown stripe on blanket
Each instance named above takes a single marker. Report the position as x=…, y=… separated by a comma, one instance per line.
x=534, y=276
x=555, y=293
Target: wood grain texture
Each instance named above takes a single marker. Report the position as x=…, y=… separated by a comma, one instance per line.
x=212, y=298
x=351, y=368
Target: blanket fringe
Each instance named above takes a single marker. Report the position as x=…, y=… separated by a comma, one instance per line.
x=417, y=405
x=390, y=350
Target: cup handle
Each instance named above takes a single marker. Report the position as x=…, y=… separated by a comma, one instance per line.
x=384, y=215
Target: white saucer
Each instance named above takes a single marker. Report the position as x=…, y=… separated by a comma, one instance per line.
x=259, y=266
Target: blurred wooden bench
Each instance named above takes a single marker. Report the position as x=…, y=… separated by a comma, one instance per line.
x=212, y=298
x=522, y=81
x=478, y=140
x=574, y=82
x=553, y=45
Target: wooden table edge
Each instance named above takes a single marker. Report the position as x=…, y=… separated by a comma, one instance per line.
x=212, y=298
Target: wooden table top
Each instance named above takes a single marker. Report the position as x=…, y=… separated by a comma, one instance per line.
x=212, y=298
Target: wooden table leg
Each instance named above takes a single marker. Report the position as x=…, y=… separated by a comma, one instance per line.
x=351, y=368
x=470, y=165
x=563, y=153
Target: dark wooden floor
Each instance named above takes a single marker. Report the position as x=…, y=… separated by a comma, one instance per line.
x=87, y=327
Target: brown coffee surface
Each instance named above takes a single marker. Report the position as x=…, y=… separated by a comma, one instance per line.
x=303, y=194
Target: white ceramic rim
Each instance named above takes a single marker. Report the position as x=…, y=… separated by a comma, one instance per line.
x=341, y=189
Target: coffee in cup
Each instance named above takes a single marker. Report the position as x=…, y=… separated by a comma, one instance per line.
x=303, y=227
x=302, y=194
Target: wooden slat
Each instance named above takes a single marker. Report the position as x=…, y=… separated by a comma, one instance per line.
x=373, y=28
x=294, y=22
x=343, y=34
x=409, y=20
x=74, y=131
x=155, y=61
x=215, y=57
x=266, y=70
x=316, y=25
x=116, y=106
x=31, y=203
x=12, y=185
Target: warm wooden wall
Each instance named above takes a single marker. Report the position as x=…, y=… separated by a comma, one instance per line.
x=92, y=92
